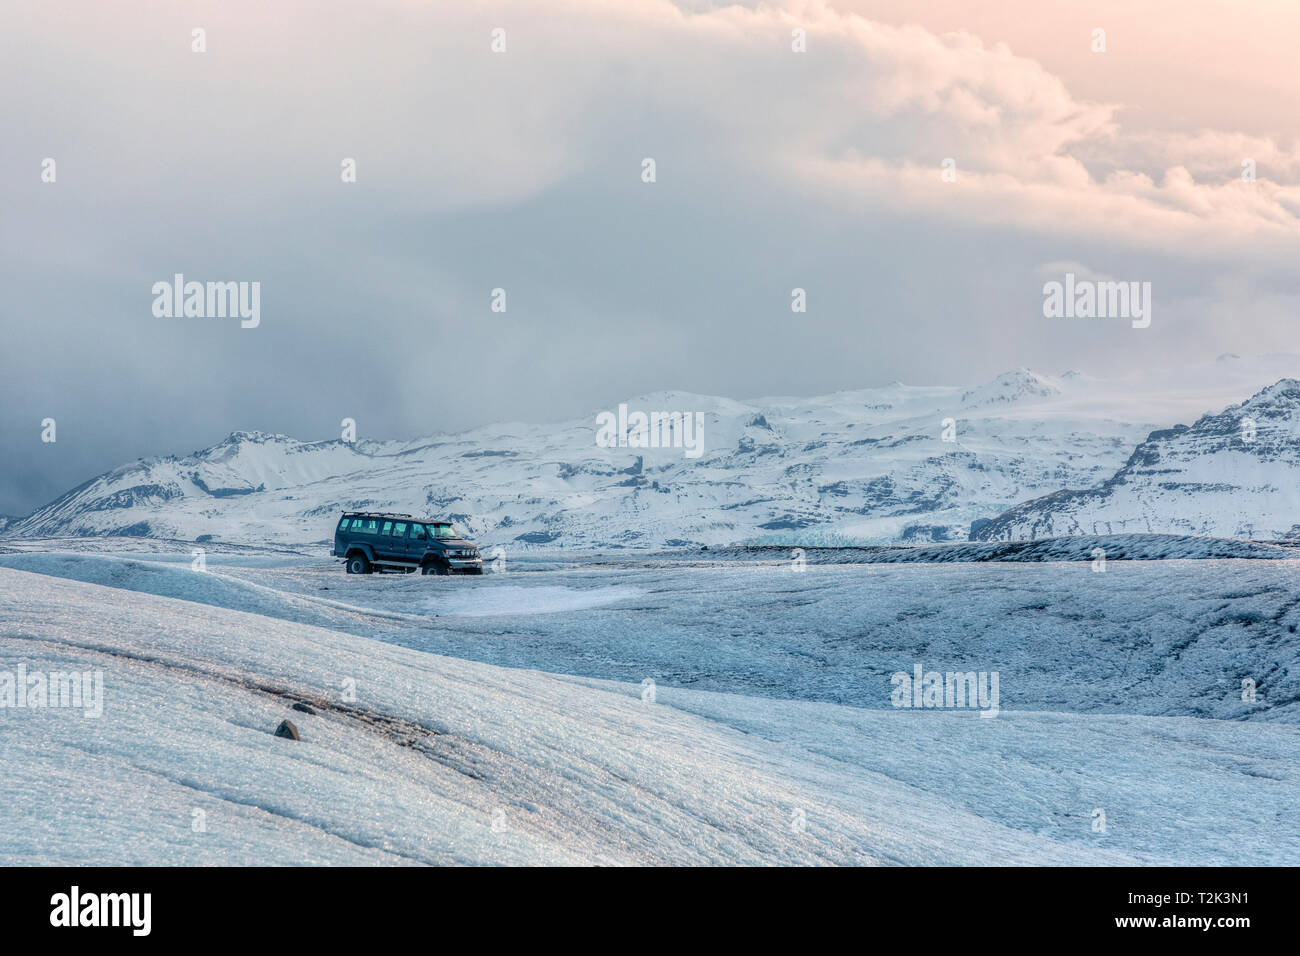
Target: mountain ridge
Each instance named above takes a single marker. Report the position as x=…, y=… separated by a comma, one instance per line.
x=1222, y=460
x=893, y=464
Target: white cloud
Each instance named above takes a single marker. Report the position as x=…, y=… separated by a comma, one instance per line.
x=438, y=121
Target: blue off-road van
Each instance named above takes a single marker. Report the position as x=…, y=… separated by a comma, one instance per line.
x=373, y=541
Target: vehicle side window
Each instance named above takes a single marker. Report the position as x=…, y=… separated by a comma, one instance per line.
x=399, y=529
x=417, y=532
x=368, y=526
x=343, y=524
x=388, y=527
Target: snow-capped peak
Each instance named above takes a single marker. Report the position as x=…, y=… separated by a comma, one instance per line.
x=1019, y=385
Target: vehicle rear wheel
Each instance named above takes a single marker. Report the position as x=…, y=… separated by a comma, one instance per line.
x=357, y=564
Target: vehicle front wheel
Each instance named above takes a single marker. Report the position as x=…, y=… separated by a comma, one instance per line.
x=432, y=567
x=357, y=564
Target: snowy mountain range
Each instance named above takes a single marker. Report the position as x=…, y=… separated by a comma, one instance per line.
x=895, y=464
x=1234, y=474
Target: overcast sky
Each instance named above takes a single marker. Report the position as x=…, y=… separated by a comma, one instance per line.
x=522, y=170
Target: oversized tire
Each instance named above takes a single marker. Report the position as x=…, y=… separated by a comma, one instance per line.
x=357, y=564
x=434, y=567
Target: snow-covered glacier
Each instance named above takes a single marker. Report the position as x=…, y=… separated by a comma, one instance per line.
x=666, y=715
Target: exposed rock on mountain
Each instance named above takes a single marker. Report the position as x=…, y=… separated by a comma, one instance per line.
x=1234, y=474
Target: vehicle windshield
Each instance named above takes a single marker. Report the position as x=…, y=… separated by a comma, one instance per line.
x=442, y=531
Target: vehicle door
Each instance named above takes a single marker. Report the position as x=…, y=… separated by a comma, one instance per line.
x=398, y=541
x=417, y=543
x=384, y=541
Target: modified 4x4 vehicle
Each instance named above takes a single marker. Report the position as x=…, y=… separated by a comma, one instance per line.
x=372, y=541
